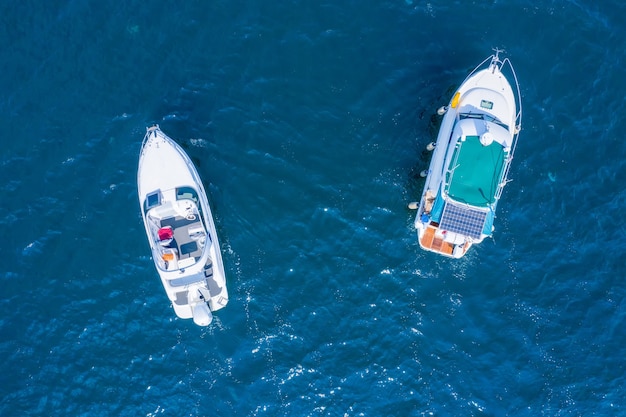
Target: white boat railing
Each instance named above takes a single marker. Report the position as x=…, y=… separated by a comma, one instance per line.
x=518, y=123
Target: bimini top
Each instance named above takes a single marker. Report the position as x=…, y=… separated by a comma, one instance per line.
x=476, y=166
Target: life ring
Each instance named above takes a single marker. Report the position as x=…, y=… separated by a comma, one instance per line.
x=191, y=217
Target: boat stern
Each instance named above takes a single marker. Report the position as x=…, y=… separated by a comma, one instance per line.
x=450, y=244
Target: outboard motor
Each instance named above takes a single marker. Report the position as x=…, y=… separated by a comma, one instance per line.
x=202, y=315
x=200, y=310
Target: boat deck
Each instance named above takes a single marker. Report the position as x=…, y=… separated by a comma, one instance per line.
x=185, y=229
x=435, y=243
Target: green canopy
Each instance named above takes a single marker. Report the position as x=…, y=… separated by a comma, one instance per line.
x=475, y=171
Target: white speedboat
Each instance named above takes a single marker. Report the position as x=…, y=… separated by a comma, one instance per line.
x=180, y=229
x=470, y=160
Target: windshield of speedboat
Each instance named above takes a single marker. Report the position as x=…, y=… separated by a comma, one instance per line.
x=189, y=193
x=483, y=116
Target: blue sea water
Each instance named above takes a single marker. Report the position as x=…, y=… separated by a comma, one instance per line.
x=307, y=122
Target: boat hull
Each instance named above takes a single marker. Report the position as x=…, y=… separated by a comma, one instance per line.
x=180, y=229
x=470, y=161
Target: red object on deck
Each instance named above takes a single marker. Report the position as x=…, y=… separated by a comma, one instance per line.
x=166, y=233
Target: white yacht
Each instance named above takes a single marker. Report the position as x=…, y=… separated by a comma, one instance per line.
x=470, y=160
x=180, y=229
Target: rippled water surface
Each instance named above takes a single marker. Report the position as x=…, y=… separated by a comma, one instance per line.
x=307, y=122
